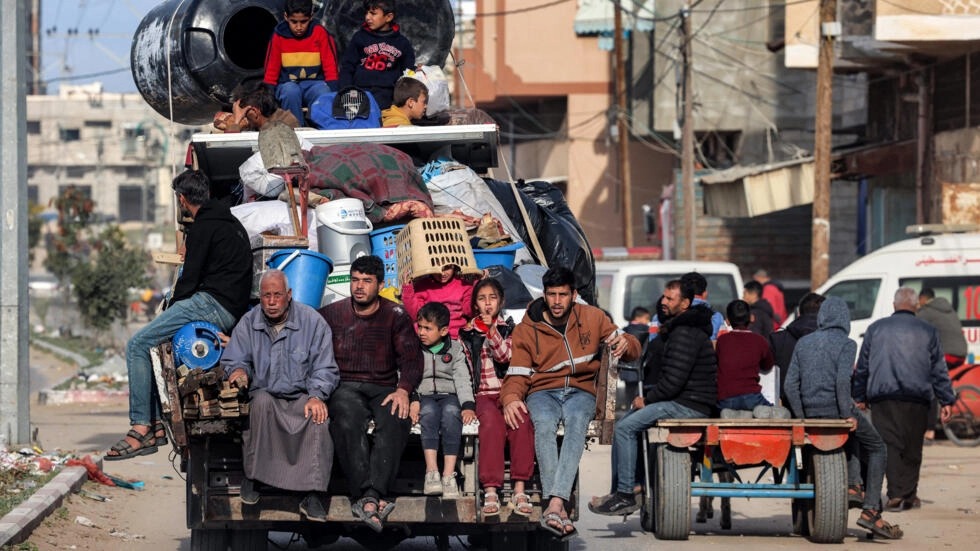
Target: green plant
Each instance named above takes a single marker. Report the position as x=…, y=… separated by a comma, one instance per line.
x=101, y=286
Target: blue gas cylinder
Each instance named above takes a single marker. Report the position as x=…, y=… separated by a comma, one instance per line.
x=197, y=345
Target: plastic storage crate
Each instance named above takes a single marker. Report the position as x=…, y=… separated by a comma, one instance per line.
x=384, y=245
x=425, y=245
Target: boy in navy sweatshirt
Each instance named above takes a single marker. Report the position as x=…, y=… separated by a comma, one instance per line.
x=378, y=54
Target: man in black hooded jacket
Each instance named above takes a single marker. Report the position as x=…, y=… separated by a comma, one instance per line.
x=686, y=388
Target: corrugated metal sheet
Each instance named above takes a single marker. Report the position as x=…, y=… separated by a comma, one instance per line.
x=749, y=191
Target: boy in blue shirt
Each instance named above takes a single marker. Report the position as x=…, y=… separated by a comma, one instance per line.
x=301, y=62
x=378, y=54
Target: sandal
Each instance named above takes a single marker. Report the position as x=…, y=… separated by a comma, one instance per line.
x=521, y=504
x=385, y=510
x=567, y=534
x=159, y=433
x=491, y=504
x=371, y=518
x=871, y=520
x=557, y=529
x=125, y=450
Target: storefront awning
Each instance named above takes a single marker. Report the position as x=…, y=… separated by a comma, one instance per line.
x=596, y=16
x=746, y=191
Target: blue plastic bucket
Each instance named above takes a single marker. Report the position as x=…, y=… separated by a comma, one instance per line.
x=384, y=246
x=499, y=256
x=307, y=273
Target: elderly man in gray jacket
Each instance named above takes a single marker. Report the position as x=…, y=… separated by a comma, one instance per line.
x=283, y=353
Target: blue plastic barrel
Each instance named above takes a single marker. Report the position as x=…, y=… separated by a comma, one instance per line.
x=307, y=273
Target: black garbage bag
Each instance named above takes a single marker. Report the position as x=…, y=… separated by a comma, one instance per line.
x=562, y=240
x=516, y=295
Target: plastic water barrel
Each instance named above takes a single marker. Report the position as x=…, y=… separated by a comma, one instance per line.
x=214, y=45
x=307, y=272
x=343, y=233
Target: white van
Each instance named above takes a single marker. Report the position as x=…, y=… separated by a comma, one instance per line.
x=625, y=284
x=949, y=263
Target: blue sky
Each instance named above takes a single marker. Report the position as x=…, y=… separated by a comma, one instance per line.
x=69, y=57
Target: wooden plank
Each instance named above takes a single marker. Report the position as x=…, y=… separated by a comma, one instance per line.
x=177, y=429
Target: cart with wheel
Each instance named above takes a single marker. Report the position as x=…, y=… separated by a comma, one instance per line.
x=805, y=458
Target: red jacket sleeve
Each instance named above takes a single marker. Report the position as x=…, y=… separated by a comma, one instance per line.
x=273, y=61
x=328, y=58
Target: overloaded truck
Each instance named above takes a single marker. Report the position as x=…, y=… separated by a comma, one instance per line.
x=187, y=57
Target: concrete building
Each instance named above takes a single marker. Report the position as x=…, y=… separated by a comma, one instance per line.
x=113, y=147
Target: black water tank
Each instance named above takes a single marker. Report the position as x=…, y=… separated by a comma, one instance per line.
x=216, y=44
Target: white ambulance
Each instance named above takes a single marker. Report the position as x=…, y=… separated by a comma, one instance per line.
x=944, y=258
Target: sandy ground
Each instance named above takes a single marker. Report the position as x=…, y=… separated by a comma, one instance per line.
x=154, y=518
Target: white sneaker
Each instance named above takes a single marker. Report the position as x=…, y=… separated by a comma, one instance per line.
x=432, y=485
x=449, y=486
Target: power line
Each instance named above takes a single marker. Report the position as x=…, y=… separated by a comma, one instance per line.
x=89, y=75
x=521, y=10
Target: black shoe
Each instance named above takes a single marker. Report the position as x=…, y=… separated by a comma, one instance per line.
x=248, y=494
x=312, y=508
x=619, y=504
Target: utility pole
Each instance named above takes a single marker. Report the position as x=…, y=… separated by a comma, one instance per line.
x=687, y=140
x=820, y=247
x=622, y=128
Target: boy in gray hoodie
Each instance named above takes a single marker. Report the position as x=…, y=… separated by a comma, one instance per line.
x=445, y=390
x=826, y=356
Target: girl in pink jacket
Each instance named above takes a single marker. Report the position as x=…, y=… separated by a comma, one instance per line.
x=449, y=288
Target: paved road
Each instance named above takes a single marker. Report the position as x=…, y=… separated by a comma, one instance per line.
x=950, y=490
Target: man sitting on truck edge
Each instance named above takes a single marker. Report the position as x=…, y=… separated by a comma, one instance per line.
x=556, y=356
x=380, y=361
x=686, y=388
x=283, y=353
x=253, y=105
x=214, y=286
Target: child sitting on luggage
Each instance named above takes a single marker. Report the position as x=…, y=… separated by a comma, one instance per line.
x=301, y=62
x=377, y=54
x=409, y=101
x=486, y=341
x=449, y=288
x=742, y=354
x=445, y=389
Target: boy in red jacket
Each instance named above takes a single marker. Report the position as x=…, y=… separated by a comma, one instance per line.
x=301, y=62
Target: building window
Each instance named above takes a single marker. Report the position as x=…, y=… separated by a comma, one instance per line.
x=32, y=194
x=33, y=127
x=98, y=124
x=135, y=172
x=75, y=171
x=131, y=204
x=70, y=134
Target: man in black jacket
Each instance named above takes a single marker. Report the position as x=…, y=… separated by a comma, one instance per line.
x=214, y=286
x=686, y=388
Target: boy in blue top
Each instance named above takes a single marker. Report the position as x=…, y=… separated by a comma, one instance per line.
x=301, y=62
x=378, y=54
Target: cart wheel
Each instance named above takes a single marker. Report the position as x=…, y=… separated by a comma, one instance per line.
x=648, y=505
x=801, y=510
x=827, y=516
x=963, y=428
x=672, y=496
x=203, y=539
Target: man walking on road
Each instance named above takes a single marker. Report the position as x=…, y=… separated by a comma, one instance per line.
x=899, y=370
x=214, y=286
x=553, y=368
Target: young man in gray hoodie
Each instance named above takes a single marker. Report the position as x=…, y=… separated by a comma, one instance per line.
x=826, y=356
